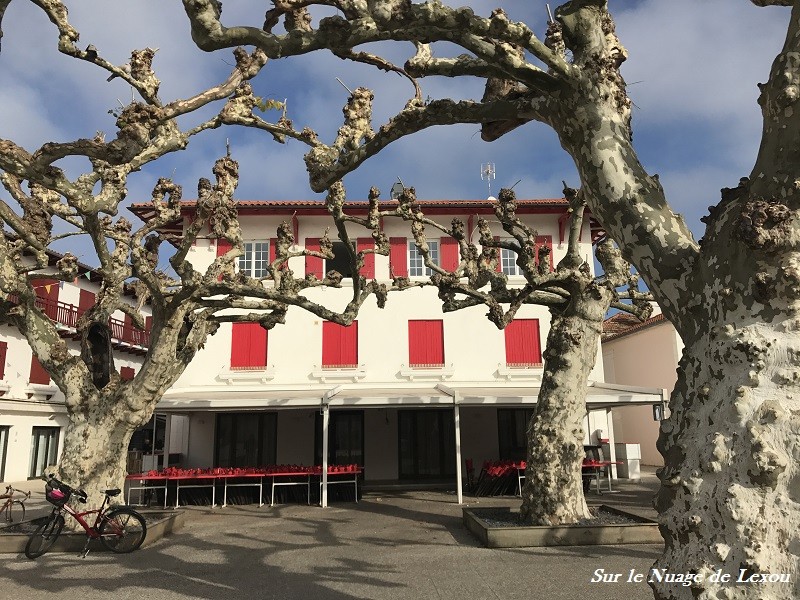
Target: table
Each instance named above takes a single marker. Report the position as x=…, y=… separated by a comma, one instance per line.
x=597, y=466
x=354, y=473
x=259, y=485
x=198, y=477
x=287, y=475
x=144, y=479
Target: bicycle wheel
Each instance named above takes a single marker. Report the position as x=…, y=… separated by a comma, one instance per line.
x=123, y=530
x=16, y=512
x=45, y=536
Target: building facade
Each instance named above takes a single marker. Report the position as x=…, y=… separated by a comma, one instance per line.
x=32, y=412
x=407, y=392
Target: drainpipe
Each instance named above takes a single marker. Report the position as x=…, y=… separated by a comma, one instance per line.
x=325, y=410
x=454, y=394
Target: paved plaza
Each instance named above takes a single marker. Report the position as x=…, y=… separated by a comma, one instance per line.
x=393, y=544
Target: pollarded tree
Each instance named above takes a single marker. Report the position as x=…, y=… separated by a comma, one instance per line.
x=729, y=494
x=104, y=409
x=578, y=302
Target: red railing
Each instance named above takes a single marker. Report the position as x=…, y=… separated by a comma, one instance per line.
x=68, y=315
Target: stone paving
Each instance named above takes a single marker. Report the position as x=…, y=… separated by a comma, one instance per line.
x=392, y=545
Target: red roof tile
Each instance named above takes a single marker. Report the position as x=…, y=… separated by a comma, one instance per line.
x=623, y=323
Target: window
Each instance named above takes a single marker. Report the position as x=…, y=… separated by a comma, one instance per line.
x=339, y=345
x=44, y=450
x=416, y=264
x=345, y=438
x=508, y=260
x=340, y=261
x=512, y=430
x=425, y=344
x=255, y=260
x=38, y=373
x=248, y=346
x=246, y=439
x=3, y=352
x=522, y=343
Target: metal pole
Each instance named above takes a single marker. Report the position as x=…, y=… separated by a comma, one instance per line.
x=456, y=419
x=325, y=420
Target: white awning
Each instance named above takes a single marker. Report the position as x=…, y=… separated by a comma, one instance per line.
x=267, y=397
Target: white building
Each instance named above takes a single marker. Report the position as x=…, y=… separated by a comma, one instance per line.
x=404, y=391
x=407, y=392
x=32, y=412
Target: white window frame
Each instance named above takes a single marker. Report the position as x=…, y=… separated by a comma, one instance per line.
x=416, y=263
x=255, y=259
x=508, y=262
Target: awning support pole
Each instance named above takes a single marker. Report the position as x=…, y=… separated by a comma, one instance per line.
x=457, y=425
x=325, y=409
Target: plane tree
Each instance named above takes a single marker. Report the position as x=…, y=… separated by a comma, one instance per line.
x=729, y=496
x=43, y=205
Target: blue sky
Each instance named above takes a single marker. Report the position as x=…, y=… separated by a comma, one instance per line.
x=692, y=73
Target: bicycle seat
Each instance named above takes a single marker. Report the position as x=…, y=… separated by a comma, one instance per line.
x=112, y=493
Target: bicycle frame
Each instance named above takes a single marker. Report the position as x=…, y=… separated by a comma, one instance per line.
x=91, y=530
x=9, y=498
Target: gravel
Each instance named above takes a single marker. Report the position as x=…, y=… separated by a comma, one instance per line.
x=600, y=516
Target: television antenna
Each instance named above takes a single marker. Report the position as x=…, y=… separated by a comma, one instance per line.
x=487, y=174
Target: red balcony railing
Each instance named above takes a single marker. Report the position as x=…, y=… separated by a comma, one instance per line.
x=68, y=314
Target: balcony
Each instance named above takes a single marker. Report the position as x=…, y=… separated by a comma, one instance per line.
x=124, y=336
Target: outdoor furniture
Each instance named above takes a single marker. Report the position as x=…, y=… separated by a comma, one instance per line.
x=197, y=478
x=147, y=484
x=342, y=475
x=251, y=483
x=290, y=479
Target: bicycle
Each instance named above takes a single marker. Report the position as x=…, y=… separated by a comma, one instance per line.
x=13, y=505
x=120, y=529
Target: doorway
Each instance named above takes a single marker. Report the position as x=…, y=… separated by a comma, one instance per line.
x=427, y=443
x=44, y=450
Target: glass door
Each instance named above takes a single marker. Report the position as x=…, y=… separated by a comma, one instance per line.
x=345, y=438
x=426, y=444
x=44, y=450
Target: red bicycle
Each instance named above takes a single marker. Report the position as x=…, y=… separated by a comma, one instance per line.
x=120, y=528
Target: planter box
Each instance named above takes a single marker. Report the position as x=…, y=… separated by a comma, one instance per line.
x=14, y=543
x=644, y=531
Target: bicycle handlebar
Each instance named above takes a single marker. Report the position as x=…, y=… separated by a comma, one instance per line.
x=80, y=494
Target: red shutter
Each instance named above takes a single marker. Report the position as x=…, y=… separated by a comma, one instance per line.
x=273, y=249
x=368, y=270
x=248, y=346
x=449, y=255
x=339, y=345
x=47, y=294
x=425, y=343
x=86, y=301
x=126, y=373
x=398, y=256
x=313, y=263
x=127, y=329
x=3, y=352
x=38, y=373
x=522, y=343
x=547, y=240
x=223, y=246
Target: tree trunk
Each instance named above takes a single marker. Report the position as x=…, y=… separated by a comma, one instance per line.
x=96, y=449
x=553, y=492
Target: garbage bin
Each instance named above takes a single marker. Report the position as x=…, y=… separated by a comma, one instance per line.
x=630, y=456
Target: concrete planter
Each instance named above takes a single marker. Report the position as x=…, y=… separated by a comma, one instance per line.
x=643, y=531
x=14, y=543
